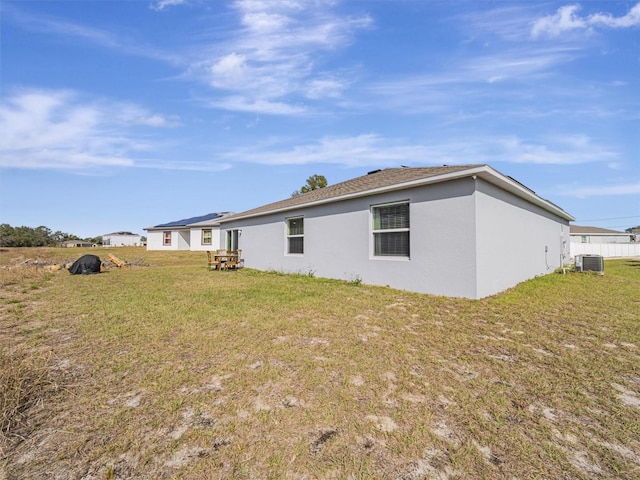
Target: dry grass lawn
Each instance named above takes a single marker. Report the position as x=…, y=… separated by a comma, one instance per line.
x=166, y=370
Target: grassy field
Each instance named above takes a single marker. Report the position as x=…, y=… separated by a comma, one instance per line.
x=167, y=370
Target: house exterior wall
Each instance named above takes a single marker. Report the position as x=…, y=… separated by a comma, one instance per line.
x=121, y=240
x=183, y=239
x=195, y=239
x=465, y=240
x=338, y=242
x=179, y=240
x=154, y=240
x=505, y=256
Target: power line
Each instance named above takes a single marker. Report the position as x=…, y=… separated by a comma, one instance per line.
x=603, y=219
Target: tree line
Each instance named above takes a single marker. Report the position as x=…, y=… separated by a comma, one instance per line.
x=36, y=237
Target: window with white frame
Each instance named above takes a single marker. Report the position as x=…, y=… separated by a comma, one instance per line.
x=295, y=235
x=166, y=239
x=390, y=228
x=206, y=236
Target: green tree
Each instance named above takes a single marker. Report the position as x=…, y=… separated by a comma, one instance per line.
x=314, y=182
x=30, y=237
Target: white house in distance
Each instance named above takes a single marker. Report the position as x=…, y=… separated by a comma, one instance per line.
x=580, y=234
x=77, y=243
x=604, y=242
x=121, y=239
x=460, y=231
x=195, y=233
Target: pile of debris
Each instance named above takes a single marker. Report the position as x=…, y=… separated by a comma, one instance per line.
x=87, y=264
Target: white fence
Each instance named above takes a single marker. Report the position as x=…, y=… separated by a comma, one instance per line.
x=607, y=250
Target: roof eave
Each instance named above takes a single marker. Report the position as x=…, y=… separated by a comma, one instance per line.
x=492, y=176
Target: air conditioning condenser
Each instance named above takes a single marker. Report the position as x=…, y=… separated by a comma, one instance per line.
x=589, y=263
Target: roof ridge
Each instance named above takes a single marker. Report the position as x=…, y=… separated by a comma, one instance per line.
x=363, y=183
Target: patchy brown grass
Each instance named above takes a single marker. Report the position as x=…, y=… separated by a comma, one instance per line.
x=173, y=371
x=25, y=381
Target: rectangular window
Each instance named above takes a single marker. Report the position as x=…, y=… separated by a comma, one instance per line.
x=390, y=225
x=206, y=236
x=295, y=235
x=166, y=239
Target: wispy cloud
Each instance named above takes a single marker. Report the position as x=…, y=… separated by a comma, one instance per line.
x=360, y=150
x=49, y=24
x=162, y=4
x=483, y=79
x=238, y=103
x=567, y=18
x=376, y=150
x=599, y=190
x=60, y=130
x=510, y=23
x=556, y=150
x=273, y=56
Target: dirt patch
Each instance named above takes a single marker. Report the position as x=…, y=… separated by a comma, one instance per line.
x=321, y=438
x=382, y=423
x=626, y=396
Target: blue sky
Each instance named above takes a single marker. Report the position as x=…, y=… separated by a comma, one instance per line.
x=119, y=115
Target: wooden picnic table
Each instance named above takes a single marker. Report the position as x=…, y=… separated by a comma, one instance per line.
x=224, y=259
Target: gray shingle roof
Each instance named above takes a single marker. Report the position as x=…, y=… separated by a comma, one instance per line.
x=580, y=230
x=372, y=181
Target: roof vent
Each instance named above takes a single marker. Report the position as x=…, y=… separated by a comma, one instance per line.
x=374, y=171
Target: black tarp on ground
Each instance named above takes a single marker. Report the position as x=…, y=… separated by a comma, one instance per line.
x=85, y=265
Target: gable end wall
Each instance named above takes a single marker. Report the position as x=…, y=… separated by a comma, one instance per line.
x=516, y=240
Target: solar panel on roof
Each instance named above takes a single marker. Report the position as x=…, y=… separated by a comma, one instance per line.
x=189, y=221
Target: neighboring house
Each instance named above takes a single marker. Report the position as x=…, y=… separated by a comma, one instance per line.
x=451, y=230
x=581, y=234
x=195, y=233
x=121, y=239
x=604, y=242
x=76, y=243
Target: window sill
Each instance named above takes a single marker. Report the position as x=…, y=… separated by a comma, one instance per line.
x=390, y=257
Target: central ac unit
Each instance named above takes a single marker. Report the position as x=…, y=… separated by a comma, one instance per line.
x=590, y=263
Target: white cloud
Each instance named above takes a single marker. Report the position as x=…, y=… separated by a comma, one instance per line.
x=324, y=88
x=631, y=19
x=564, y=19
x=274, y=53
x=366, y=149
x=59, y=130
x=552, y=150
x=511, y=23
x=265, y=22
x=484, y=80
x=600, y=190
x=162, y=4
x=244, y=104
x=118, y=41
x=519, y=64
x=567, y=18
x=376, y=150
